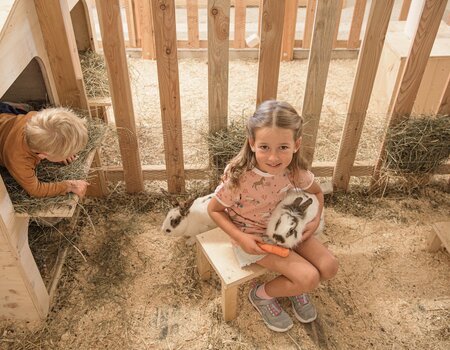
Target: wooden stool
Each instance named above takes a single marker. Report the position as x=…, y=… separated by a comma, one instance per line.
x=440, y=235
x=214, y=249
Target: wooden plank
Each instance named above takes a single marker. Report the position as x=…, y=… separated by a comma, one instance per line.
x=404, y=10
x=444, y=104
x=138, y=12
x=116, y=63
x=147, y=31
x=319, y=60
x=218, y=48
x=336, y=29
x=163, y=12
x=369, y=58
x=290, y=19
x=217, y=248
x=269, y=49
x=355, y=29
x=412, y=75
x=322, y=169
x=239, y=24
x=57, y=31
x=442, y=230
x=192, y=23
x=130, y=22
x=309, y=23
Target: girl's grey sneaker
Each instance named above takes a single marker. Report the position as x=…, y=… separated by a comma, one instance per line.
x=272, y=314
x=304, y=310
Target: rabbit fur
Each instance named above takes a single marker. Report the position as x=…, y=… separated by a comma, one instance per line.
x=290, y=217
x=189, y=219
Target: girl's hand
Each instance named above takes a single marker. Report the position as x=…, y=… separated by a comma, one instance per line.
x=78, y=187
x=249, y=245
x=310, y=228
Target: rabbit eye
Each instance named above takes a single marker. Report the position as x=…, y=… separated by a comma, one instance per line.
x=278, y=238
x=168, y=230
x=175, y=222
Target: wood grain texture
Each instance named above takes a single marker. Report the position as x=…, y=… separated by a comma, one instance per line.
x=404, y=10
x=239, y=24
x=119, y=82
x=218, y=60
x=415, y=65
x=290, y=19
x=192, y=22
x=309, y=24
x=369, y=58
x=57, y=32
x=163, y=12
x=327, y=15
x=357, y=20
x=269, y=49
x=444, y=104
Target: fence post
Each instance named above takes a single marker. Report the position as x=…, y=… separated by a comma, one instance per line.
x=239, y=24
x=119, y=82
x=290, y=19
x=163, y=12
x=327, y=14
x=147, y=31
x=218, y=58
x=416, y=62
x=357, y=19
x=270, y=49
x=309, y=23
x=369, y=58
x=192, y=23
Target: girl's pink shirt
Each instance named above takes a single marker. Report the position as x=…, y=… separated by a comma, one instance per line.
x=251, y=204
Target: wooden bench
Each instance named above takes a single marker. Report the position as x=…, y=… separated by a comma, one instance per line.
x=214, y=250
x=439, y=236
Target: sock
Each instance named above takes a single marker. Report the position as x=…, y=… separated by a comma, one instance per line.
x=261, y=293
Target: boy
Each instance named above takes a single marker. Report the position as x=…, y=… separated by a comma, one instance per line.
x=55, y=134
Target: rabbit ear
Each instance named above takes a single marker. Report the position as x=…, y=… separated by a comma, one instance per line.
x=302, y=207
x=172, y=199
x=184, y=206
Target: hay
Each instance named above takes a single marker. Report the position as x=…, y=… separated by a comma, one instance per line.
x=224, y=144
x=55, y=172
x=94, y=74
x=417, y=146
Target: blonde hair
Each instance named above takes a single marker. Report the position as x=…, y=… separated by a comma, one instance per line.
x=58, y=132
x=270, y=113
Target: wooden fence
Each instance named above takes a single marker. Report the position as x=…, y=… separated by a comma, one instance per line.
x=276, y=21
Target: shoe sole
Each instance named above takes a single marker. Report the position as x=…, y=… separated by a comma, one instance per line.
x=273, y=328
x=301, y=319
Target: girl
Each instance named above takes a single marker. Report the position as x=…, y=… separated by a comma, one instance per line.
x=254, y=181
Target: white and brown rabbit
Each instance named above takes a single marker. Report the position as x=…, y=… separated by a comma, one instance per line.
x=289, y=218
x=189, y=219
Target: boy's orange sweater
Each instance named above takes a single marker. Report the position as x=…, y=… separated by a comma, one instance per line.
x=20, y=161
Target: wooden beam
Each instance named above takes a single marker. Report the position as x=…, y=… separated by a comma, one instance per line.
x=338, y=20
x=130, y=22
x=404, y=10
x=369, y=58
x=319, y=61
x=239, y=24
x=192, y=22
x=218, y=58
x=163, y=12
x=320, y=169
x=119, y=82
x=57, y=32
x=269, y=49
x=444, y=104
x=412, y=75
x=290, y=19
x=147, y=31
x=357, y=19
x=309, y=23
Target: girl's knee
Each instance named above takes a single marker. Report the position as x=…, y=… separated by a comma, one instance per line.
x=308, y=280
x=329, y=268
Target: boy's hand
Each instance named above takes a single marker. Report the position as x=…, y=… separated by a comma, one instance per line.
x=248, y=243
x=69, y=160
x=78, y=187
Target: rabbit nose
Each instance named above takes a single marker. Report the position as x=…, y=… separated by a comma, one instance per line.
x=168, y=230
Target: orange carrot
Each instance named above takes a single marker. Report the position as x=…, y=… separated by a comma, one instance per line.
x=274, y=249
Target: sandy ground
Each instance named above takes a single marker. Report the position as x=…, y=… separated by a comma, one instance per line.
x=135, y=288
